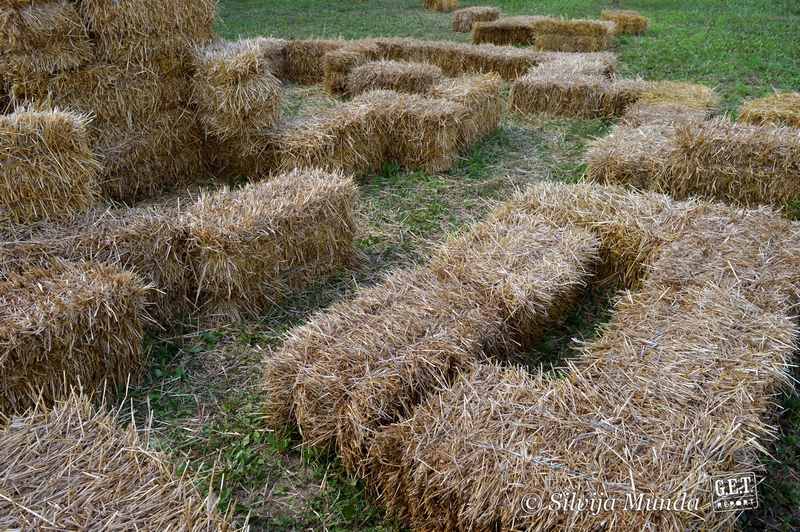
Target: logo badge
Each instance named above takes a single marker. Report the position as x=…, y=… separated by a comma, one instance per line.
x=735, y=493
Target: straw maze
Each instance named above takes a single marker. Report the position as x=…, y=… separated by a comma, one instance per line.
x=114, y=109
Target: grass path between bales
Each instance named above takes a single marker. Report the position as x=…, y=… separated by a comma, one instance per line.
x=202, y=389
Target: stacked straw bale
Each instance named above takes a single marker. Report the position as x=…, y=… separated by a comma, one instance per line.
x=73, y=467
x=467, y=459
x=134, y=66
x=225, y=253
x=366, y=363
x=47, y=168
x=68, y=325
x=441, y=5
x=627, y=21
x=41, y=38
x=398, y=76
x=251, y=247
x=743, y=164
x=573, y=86
x=464, y=19
x=780, y=109
x=547, y=33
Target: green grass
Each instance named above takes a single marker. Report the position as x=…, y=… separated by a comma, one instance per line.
x=202, y=389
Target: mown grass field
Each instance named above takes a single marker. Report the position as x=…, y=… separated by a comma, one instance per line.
x=202, y=390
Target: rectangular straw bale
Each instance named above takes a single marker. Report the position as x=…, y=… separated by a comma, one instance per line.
x=689, y=95
x=68, y=325
x=572, y=35
x=145, y=31
x=251, y=247
x=337, y=64
x=456, y=59
x=631, y=156
x=712, y=384
x=627, y=21
x=558, y=93
x=72, y=466
x=234, y=89
x=111, y=93
x=736, y=163
x=400, y=76
x=305, y=59
x=464, y=19
x=355, y=369
x=603, y=64
x=481, y=95
x=505, y=31
x=780, y=109
x=441, y=5
x=427, y=132
x=47, y=166
x=148, y=159
x=645, y=114
x=351, y=137
x=42, y=38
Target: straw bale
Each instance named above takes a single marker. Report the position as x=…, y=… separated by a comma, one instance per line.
x=735, y=163
x=305, y=59
x=441, y=5
x=644, y=114
x=468, y=458
x=631, y=156
x=151, y=158
x=42, y=38
x=68, y=325
x=47, y=167
x=505, y=31
x=147, y=31
x=456, y=59
x=561, y=93
x=73, y=467
x=251, y=247
x=464, y=19
x=780, y=109
x=351, y=137
x=399, y=76
x=110, y=93
x=338, y=64
x=627, y=21
x=234, y=89
x=355, y=369
x=481, y=95
x=427, y=132
x=602, y=64
x=690, y=95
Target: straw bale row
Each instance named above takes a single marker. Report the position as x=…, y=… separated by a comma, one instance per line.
x=736, y=163
x=654, y=380
x=464, y=19
x=417, y=131
x=73, y=467
x=68, y=325
x=366, y=363
x=225, y=254
x=547, y=33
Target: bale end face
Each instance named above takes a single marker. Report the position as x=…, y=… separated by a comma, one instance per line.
x=69, y=325
x=47, y=167
x=627, y=21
